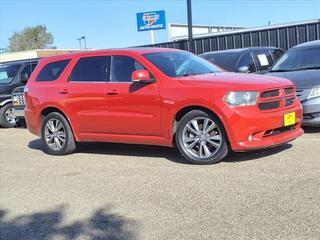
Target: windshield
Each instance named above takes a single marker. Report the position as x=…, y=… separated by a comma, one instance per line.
x=178, y=64
x=298, y=59
x=8, y=73
x=224, y=60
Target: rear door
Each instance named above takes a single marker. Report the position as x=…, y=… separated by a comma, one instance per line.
x=132, y=108
x=85, y=94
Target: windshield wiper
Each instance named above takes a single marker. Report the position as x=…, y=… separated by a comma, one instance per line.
x=282, y=70
x=190, y=74
x=306, y=68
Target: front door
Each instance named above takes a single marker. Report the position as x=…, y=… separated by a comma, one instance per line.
x=132, y=108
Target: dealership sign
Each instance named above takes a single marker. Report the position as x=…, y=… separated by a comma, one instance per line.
x=151, y=21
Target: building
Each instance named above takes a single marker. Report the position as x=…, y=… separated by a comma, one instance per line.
x=32, y=54
x=283, y=36
x=180, y=31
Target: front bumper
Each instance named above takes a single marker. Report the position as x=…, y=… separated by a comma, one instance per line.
x=311, y=112
x=19, y=113
x=250, y=130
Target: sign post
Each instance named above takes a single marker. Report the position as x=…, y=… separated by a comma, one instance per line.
x=150, y=21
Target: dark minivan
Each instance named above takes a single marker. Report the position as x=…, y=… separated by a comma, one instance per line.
x=301, y=65
x=245, y=60
x=12, y=75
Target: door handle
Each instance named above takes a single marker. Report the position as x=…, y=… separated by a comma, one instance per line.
x=64, y=91
x=113, y=92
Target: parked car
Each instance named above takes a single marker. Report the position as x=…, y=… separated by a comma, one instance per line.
x=12, y=75
x=244, y=60
x=158, y=96
x=301, y=64
x=18, y=103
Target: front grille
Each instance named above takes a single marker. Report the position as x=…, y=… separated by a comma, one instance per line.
x=289, y=102
x=269, y=105
x=19, y=99
x=271, y=93
x=288, y=90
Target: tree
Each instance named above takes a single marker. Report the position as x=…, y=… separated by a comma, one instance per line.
x=29, y=38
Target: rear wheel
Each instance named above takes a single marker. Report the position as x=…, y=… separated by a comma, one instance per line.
x=7, y=118
x=201, y=138
x=57, y=135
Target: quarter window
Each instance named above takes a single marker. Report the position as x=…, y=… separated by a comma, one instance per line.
x=91, y=69
x=52, y=71
x=122, y=68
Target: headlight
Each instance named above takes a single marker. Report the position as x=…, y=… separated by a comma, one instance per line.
x=241, y=98
x=15, y=101
x=315, y=92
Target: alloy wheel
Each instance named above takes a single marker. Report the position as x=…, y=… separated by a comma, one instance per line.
x=10, y=118
x=55, y=134
x=201, y=137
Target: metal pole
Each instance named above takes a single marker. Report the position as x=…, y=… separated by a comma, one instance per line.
x=79, y=39
x=189, y=12
x=85, y=42
x=152, y=36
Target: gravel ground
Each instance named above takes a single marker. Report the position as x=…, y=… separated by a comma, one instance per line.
x=116, y=191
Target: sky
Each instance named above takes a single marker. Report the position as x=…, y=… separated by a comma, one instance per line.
x=112, y=23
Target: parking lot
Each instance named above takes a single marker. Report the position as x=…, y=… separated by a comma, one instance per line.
x=117, y=191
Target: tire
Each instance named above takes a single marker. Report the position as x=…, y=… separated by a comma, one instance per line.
x=6, y=115
x=51, y=132
x=208, y=145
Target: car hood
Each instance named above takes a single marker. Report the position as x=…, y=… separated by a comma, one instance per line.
x=236, y=81
x=302, y=79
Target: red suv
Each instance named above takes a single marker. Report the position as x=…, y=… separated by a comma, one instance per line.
x=161, y=97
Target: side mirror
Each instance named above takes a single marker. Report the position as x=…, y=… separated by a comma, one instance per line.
x=24, y=78
x=244, y=69
x=140, y=76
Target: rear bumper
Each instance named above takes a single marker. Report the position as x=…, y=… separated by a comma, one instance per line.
x=249, y=130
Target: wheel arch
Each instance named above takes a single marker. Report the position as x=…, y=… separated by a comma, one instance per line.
x=49, y=109
x=186, y=109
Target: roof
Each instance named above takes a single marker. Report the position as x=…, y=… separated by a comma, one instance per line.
x=239, y=50
x=309, y=44
x=138, y=50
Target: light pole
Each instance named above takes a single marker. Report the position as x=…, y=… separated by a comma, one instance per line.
x=79, y=39
x=189, y=12
x=84, y=40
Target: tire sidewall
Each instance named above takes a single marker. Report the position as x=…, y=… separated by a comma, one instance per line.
x=3, y=120
x=218, y=156
x=69, y=135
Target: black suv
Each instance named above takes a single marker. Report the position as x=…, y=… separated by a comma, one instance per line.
x=245, y=60
x=12, y=75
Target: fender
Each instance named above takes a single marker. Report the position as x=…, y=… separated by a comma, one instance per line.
x=5, y=102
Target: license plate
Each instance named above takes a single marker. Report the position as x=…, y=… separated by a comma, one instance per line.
x=289, y=119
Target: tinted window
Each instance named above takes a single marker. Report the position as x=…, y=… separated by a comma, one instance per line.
x=277, y=53
x=180, y=63
x=93, y=69
x=122, y=68
x=246, y=60
x=298, y=58
x=28, y=69
x=264, y=59
x=225, y=60
x=52, y=71
x=8, y=72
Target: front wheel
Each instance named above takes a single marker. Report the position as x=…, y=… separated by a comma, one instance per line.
x=7, y=118
x=201, y=138
x=57, y=135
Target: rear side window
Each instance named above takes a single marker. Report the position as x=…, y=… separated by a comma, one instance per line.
x=91, y=69
x=277, y=53
x=52, y=71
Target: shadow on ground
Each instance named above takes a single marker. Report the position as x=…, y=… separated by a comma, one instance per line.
x=102, y=225
x=158, y=152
